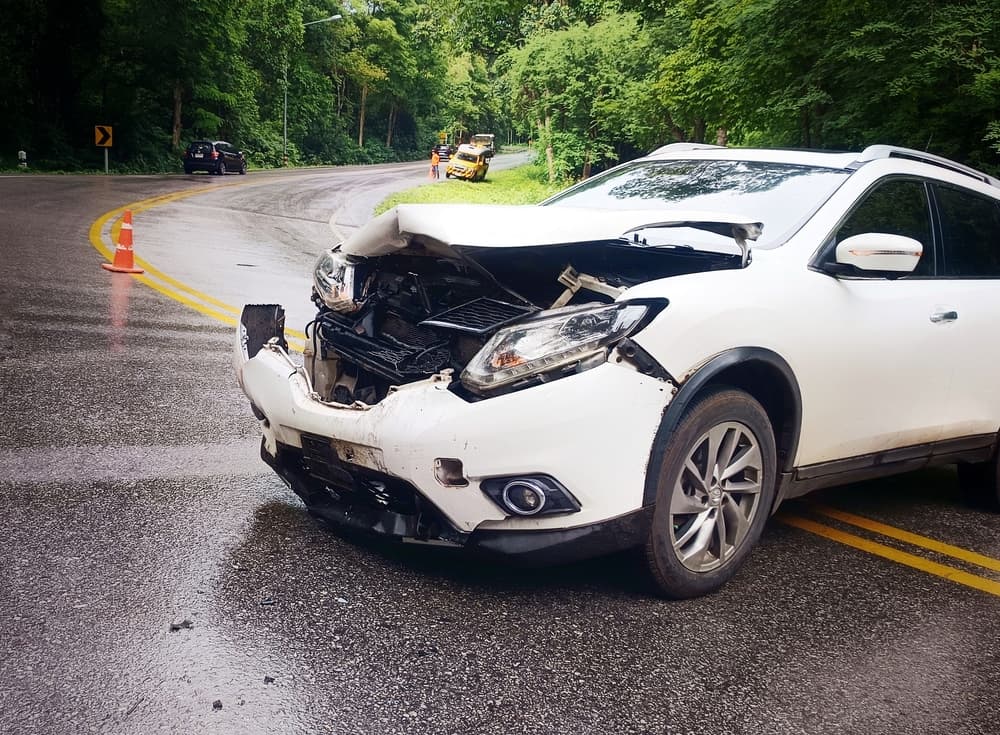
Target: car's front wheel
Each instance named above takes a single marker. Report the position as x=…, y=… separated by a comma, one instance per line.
x=715, y=489
x=243, y=168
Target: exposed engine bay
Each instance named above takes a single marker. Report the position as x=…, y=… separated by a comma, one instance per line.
x=405, y=316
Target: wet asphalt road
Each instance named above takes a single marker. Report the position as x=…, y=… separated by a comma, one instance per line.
x=131, y=498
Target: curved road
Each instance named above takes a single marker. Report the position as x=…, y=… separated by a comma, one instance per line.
x=155, y=577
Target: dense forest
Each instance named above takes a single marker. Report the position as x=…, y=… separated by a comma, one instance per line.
x=591, y=81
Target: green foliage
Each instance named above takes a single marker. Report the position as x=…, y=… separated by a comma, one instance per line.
x=597, y=81
x=572, y=84
x=839, y=74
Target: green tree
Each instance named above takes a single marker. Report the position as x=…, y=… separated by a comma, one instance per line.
x=570, y=84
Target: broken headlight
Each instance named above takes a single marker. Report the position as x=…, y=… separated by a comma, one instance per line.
x=334, y=278
x=551, y=341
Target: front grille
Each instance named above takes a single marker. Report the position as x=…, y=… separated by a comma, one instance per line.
x=387, y=356
x=478, y=316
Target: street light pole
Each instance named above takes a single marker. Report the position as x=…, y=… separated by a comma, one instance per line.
x=284, y=117
x=284, y=138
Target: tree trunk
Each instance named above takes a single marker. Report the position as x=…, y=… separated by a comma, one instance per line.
x=175, y=138
x=392, y=124
x=698, y=134
x=675, y=130
x=721, y=136
x=544, y=133
x=340, y=84
x=361, y=116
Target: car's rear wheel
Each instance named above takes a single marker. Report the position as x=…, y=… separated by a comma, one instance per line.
x=981, y=483
x=187, y=171
x=715, y=489
x=221, y=171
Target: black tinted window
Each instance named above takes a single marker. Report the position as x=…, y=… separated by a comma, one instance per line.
x=970, y=228
x=896, y=207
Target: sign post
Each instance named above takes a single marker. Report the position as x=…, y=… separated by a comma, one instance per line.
x=102, y=139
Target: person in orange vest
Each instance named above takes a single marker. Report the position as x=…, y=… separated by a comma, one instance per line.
x=435, y=163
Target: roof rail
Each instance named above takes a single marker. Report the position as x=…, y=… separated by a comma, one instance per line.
x=875, y=152
x=674, y=147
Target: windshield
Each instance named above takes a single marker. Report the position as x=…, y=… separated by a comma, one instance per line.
x=779, y=195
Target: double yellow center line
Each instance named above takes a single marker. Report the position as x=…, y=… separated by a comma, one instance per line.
x=160, y=281
x=891, y=553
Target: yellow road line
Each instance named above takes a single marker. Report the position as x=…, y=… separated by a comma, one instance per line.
x=222, y=312
x=955, y=552
x=887, y=552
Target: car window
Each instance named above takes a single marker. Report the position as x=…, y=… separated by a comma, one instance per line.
x=781, y=196
x=896, y=207
x=970, y=230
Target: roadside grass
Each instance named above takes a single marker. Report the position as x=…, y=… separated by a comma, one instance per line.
x=521, y=185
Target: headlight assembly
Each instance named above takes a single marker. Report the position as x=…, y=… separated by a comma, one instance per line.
x=550, y=341
x=334, y=277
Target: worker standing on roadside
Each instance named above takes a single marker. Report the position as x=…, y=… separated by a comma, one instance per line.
x=435, y=163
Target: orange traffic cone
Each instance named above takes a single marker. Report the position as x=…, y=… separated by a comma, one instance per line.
x=124, y=262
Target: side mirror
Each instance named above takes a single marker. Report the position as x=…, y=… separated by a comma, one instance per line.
x=880, y=252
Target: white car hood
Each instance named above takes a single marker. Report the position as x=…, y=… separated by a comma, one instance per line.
x=440, y=226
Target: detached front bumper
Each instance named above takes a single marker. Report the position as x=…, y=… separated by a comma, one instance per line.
x=377, y=469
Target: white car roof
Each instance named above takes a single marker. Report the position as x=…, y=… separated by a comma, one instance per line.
x=828, y=159
x=694, y=151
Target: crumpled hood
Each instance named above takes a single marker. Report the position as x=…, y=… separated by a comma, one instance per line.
x=442, y=226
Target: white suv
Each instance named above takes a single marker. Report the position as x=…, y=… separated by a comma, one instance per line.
x=656, y=357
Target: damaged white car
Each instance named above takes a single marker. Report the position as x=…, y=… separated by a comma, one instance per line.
x=655, y=358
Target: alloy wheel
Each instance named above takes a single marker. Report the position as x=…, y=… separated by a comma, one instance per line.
x=716, y=496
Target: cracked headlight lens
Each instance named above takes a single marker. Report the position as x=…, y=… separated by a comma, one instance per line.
x=334, y=281
x=551, y=341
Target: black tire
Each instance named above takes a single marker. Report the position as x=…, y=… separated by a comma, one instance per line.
x=704, y=527
x=980, y=483
x=187, y=171
x=243, y=169
x=221, y=171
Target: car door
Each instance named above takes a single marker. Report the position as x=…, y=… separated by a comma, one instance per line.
x=969, y=284
x=228, y=156
x=882, y=375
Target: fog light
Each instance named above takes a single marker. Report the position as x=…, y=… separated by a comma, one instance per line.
x=529, y=495
x=524, y=497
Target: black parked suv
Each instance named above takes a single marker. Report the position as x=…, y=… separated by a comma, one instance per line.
x=444, y=151
x=214, y=157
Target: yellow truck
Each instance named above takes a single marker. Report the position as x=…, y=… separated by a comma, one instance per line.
x=470, y=162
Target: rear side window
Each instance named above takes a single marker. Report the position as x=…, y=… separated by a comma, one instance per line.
x=970, y=228
x=895, y=207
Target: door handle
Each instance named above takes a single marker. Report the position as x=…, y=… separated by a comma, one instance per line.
x=944, y=316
